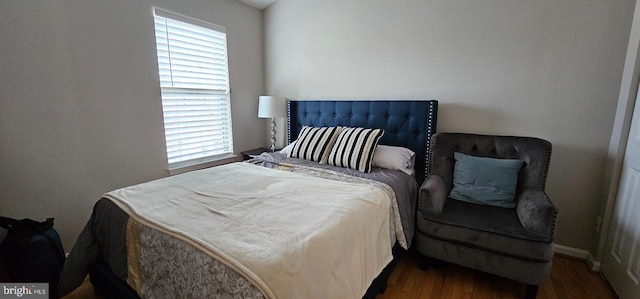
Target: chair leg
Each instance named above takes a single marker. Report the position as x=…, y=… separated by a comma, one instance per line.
x=532, y=291
x=383, y=289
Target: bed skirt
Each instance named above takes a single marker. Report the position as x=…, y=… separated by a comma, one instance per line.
x=105, y=283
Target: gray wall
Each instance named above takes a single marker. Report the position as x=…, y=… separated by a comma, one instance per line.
x=548, y=68
x=80, y=108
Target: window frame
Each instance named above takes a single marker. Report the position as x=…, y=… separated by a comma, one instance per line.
x=211, y=159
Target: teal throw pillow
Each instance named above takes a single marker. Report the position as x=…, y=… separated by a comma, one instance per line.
x=485, y=181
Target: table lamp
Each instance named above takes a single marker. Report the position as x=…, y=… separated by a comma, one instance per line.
x=271, y=107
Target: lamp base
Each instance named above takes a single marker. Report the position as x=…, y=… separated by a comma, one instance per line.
x=273, y=135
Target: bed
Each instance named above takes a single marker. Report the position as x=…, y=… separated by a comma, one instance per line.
x=310, y=229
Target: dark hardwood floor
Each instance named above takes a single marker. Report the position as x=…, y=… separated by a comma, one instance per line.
x=570, y=278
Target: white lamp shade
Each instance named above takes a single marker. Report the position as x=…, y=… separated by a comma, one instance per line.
x=269, y=107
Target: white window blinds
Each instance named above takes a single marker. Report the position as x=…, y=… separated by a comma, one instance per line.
x=194, y=83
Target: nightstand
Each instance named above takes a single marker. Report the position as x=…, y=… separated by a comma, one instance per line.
x=250, y=154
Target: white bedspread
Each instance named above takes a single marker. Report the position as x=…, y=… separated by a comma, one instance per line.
x=290, y=234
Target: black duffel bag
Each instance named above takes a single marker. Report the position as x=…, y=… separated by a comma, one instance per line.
x=32, y=251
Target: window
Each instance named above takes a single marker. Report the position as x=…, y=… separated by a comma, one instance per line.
x=194, y=82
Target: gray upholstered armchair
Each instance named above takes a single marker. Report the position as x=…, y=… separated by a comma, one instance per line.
x=512, y=242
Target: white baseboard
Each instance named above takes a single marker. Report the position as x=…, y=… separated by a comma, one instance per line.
x=579, y=254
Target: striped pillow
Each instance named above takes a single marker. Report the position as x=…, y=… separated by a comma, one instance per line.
x=354, y=148
x=315, y=143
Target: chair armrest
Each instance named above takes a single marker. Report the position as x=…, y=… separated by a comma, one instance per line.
x=432, y=195
x=536, y=212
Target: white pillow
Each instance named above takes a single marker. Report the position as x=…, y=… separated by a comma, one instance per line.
x=287, y=149
x=394, y=158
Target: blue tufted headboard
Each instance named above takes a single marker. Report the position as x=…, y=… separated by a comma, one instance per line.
x=405, y=123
